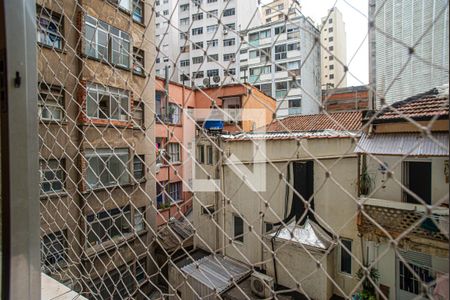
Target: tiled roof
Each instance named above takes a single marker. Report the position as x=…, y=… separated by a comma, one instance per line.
x=342, y=121
x=420, y=107
x=322, y=134
x=423, y=108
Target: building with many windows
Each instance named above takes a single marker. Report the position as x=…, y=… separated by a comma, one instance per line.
x=281, y=59
x=408, y=43
x=95, y=188
x=278, y=10
x=195, y=45
x=334, y=50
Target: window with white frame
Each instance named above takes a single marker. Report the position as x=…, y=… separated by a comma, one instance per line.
x=184, y=63
x=213, y=13
x=184, y=7
x=184, y=21
x=229, y=42
x=213, y=72
x=197, y=60
x=197, y=45
x=209, y=155
x=293, y=47
x=175, y=191
x=107, y=102
x=212, y=43
x=212, y=58
x=229, y=56
x=54, y=249
x=105, y=42
x=51, y=102
x=173, y=150
x=139, y=219
x=52, y=176
x=211, y=28
x=139, y=167
x=138, y=11
x=229, y=12
x=107, y=167
x=197, y=31
x=197, y=16
x=280, y=52
x=174, y=114
x=138, y=61
x=49, y=28
x=138, y=114
x=201, y=154
x=107, y=225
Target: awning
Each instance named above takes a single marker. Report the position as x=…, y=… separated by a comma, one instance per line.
x=413, y=144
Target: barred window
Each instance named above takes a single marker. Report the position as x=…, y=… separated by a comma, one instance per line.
x=138, y=114
x=138, y=61
x=52, y=176
x=213, y=57
x=138, y=11
x=229, y=12
x=229, y=56
x=175, y=191
x=229, y=42
x=51, y=102
x=213, y=72
x=106, y=167
x=139, y=219
x=49, y=28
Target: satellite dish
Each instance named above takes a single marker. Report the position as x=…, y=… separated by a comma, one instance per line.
x=216, y=79
x=206, y=81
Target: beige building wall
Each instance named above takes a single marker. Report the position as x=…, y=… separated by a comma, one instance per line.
x=334, y=50
x=334, y=202
x=278, y=10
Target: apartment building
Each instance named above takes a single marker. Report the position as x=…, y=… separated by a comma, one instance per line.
x=202, y=39
x=334, y=50
x=246, y=225
x=404, y=193
x=350, y=98
x=278, y=10
x=96, y=145
x=281, y=58
x=176, y=129
x=409, y=45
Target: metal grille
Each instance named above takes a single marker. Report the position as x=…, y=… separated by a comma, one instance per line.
x=210, y=149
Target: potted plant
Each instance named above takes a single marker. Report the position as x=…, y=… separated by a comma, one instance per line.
x=368, y=289
x=365, y=180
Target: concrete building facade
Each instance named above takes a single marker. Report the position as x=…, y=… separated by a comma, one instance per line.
x=334, y=50
x=278, y=10
x=410, y=45
x=346, y=99
x=96, y=189
x=200, y=50
x=281, y=59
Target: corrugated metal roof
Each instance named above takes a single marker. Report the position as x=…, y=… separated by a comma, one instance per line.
x=216, y=271
x=287, y=135
x=413, y=144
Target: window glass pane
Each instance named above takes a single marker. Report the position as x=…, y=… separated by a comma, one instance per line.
x=346, y=259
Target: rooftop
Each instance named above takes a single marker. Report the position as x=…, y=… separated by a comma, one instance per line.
x=424, y=106
x=341, y=121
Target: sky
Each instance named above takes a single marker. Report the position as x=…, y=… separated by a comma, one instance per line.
x=354, y=13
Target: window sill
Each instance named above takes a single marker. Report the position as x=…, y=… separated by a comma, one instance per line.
x=169, y=124
x=140, y=74
x=104, y=247
x=106, y=62
x=171, y=205
x=177, y=163
x=139, y=23
x=106, y=188
x=53, y=195
x=53, y=122
x=106, y=123
x=44, y=46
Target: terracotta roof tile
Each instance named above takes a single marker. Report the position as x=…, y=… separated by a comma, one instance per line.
x=347, y=121
x=424, y=107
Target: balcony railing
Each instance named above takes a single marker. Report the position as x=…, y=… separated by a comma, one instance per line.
x=397, y=218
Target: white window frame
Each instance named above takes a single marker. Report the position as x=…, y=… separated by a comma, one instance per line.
x=51, y=102
x=95, y=92
x=44, y=33
x=173, y=150
x=102, y=175
x=119, y=216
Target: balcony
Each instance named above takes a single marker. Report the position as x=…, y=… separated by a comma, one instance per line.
x=400, y=218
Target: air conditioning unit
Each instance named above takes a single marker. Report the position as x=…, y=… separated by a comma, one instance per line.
x=225, y=31
x=261, y=285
